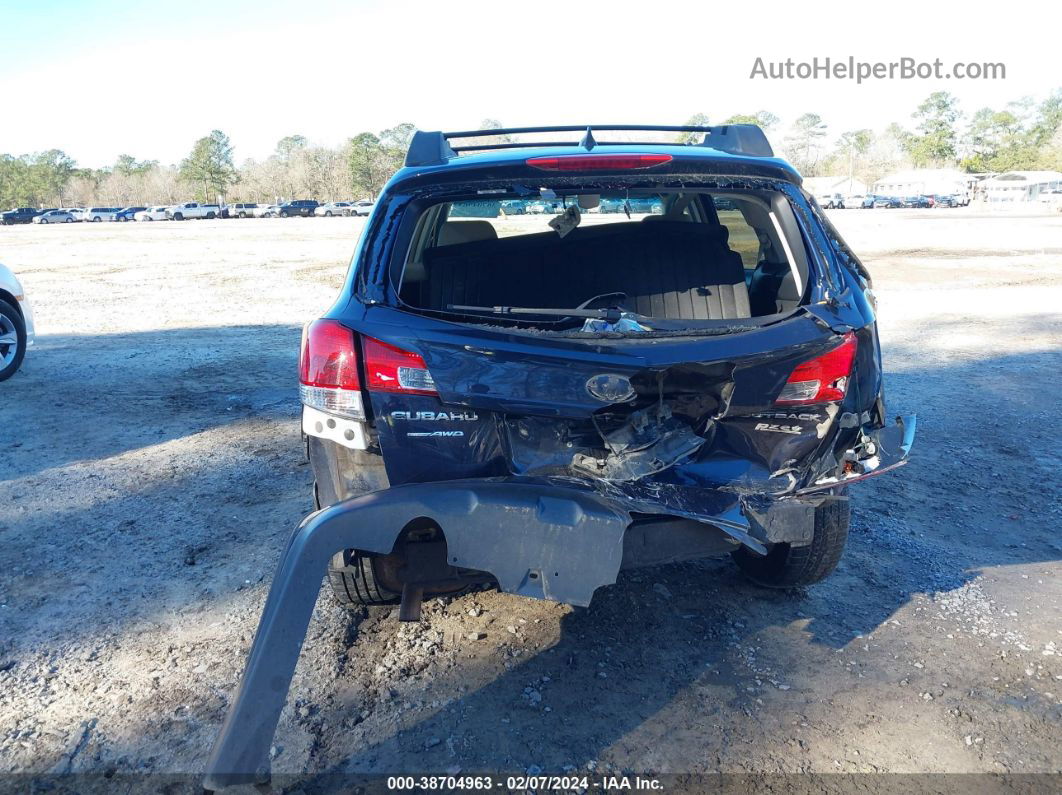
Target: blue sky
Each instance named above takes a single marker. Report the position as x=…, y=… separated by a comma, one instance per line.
x=105, y=78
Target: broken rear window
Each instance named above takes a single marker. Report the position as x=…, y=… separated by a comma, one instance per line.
x=624, y=262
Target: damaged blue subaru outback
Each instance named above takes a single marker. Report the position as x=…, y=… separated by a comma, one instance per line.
x=553, y=361
x=675, y=334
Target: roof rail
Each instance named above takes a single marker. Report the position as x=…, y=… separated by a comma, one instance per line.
x=434, y=149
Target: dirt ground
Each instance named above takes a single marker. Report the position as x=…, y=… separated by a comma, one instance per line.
x=151, y=469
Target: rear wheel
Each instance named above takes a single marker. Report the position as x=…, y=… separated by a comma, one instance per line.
x=786, y=566
x=210, y=216
x=354, y=582
x=44, y=220
x=12, y=340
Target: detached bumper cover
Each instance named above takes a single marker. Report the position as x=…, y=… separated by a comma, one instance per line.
x=538, y=540
x=549, y=539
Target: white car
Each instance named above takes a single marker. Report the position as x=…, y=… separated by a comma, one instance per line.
x=16, y=324
x=97, y=214
x=267, y=211
x=241, y=210
x=364, y=207
x=333, y=208
x=151, y=214
x=182, y=212
x=54, y=217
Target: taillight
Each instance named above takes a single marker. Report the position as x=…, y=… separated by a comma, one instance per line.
x=823, y=379
x=597, y=162
x=328, y=369
x=391, y=369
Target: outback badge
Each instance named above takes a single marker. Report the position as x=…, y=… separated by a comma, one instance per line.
x=610, y=387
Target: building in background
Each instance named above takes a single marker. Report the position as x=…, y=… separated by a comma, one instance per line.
x=925, y=182
x=846, y=186
x=1023, y=186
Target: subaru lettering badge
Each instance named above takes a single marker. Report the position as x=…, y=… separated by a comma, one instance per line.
x=610, y=388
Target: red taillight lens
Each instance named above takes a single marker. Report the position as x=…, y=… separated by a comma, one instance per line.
x=823, y=379
x=328, y=370
x=329, y=358
x=597, y=162
x=391, y=369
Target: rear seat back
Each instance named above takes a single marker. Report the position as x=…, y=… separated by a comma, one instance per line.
x=676, y=270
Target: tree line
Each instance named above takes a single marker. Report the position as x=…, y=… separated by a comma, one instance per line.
x=295, y=169
x=1022, y=135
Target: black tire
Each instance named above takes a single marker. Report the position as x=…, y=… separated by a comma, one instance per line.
x=178, y=216
x=96, y=220
x=44, y=220
x=241, y=215
x=354, y=582
x=786, y=566
x=210, y=216
x=14, y=320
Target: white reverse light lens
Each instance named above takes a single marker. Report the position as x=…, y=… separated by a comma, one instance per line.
x=344, y=402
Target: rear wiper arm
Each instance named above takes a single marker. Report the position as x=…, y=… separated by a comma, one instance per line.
x=611, y=314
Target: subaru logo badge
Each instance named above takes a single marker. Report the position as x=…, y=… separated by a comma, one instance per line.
x=610, y=388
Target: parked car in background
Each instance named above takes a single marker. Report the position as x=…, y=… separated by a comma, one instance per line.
x=509, y=208
x=854, y=201
x=54, y=217
x=944, y=200
x=77, y=212
x=329, y=209
x=298, y=207
x=887, y=202
x=128, y=213
x=831, y=201
x=240, y=210
x=97, y=214
x=182, y=212
x=363, y=207
x=151, y=214
x=16, y=323
x=267, y=211
x=19, y=215
x=916, y=201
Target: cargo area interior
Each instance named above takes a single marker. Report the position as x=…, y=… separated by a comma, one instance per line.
x=670, y=256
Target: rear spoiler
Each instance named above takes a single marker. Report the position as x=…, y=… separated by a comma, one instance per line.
x=434, y=148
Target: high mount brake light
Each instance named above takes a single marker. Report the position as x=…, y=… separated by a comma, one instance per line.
x=597, y=162
x=391, y=369
x=823, y=379
x=328, y=369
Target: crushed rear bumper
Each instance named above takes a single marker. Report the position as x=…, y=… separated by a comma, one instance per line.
x=549, y=539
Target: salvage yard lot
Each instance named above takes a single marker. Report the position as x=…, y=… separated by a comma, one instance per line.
x=151, y=469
